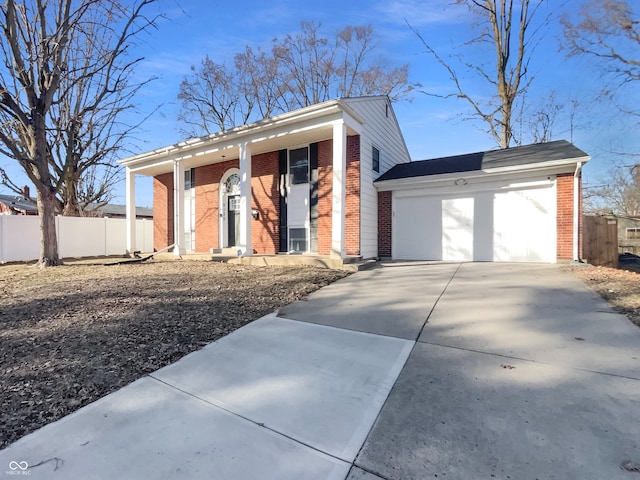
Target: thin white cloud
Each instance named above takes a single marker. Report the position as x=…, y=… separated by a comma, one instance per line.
x=420, y=12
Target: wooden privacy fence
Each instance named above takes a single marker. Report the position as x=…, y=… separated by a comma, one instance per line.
x=600, y=237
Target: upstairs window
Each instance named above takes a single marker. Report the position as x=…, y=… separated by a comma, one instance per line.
x=375, y=154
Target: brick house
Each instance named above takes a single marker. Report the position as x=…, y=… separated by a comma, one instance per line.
x=323, y=180
x=18, y=205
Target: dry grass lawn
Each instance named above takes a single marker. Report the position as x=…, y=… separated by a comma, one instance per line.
x=72, y=334
x=621, y=288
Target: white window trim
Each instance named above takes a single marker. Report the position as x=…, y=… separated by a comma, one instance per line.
x=379, y=158
x=636, y=230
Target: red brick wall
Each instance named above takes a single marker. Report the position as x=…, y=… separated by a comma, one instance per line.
x=352, y=208
x=265, y=231
x=325, y=181
x=580, y=217
x=162, y=211
x=565, y=216
x=264, y=182
x=384, y=224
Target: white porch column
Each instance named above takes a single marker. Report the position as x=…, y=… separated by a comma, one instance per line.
x=130, y=186
x=178, y=208
x=338, y=196
x=245, y=199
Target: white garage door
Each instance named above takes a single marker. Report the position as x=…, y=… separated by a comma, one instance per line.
x=501, y=225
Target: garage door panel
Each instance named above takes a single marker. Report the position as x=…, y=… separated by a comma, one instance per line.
x=457, y=229
x=417, y=233
x=483, y=227
x=524, y=226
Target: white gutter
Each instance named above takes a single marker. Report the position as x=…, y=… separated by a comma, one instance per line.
x=576, y=212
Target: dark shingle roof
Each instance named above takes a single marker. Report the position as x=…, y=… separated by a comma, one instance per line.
x=525, y=155
x=18, y=203
x=120, y=210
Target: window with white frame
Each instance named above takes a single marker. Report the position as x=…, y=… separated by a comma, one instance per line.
x=633, y=233
x=299, y=165
x=298, y=240
x=375, y=155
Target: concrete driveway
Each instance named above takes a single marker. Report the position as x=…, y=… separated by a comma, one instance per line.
x=521, y=372
x=408, y=371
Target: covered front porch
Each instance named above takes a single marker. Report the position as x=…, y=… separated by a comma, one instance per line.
x=246, y=146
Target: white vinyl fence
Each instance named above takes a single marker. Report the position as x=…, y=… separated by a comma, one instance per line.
x=77, y=237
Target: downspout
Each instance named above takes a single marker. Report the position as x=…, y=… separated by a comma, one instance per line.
x=576, y=212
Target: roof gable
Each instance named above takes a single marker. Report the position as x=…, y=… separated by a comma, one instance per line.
x=18, y=203
x=510, y=157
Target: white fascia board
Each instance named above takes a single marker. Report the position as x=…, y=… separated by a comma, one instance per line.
x=252, y=133
x=277, y=131
x=482, y=176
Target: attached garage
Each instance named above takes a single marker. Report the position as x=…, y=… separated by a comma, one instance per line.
x=515, y=205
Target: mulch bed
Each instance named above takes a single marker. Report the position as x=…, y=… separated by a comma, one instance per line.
x=72, y=334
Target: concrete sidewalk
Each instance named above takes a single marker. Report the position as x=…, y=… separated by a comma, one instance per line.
x=520, y=372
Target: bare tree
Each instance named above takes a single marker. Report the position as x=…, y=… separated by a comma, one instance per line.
x=54, y=53
x=541, y=119
x=512, y=45
x=259, y=82
x=607, y=31
x=209, y=98
x=617, y=192
x=302, y=69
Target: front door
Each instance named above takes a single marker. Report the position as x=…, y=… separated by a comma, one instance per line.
x=233, y=220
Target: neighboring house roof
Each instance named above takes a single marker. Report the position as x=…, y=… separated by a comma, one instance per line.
x=24, y=205
x=18, y=203
x=559, y=151
x=119, y=210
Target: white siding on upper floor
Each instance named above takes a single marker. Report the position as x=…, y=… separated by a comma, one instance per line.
x=381, y=130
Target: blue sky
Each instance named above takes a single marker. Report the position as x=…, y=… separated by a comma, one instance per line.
x=432, y=127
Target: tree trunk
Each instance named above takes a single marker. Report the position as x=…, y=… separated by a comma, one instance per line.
x=46, y=197
x=71, y=206
x=48, y=237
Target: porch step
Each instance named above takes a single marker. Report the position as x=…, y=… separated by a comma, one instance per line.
x=229, y=255
x=225, y=252
x=350, y=264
